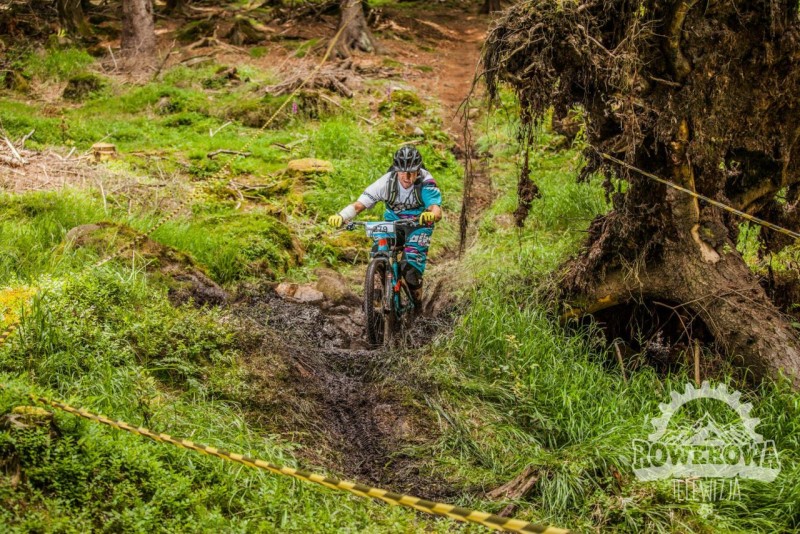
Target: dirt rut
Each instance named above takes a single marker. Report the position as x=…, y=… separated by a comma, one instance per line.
x=348, y=406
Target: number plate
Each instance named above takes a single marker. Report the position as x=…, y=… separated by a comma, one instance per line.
x=380, y=229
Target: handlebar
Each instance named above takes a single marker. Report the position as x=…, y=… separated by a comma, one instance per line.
x=400, y=222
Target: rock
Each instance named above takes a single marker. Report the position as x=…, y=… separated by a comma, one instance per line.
x=402, y=103
x=77, y=234
x=194, y=286
x=82, y=86
x=418, y=132
x=310, y=166
x=334, y=286
x=186, y=280
x=299, y=293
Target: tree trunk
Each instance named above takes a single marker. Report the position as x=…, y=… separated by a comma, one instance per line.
x=654, y=99
x=356, y=34
x=138, y=33
x=490, y=6
x=698, y=267
x=724, y=295
x=70, y=14
x=176, y=6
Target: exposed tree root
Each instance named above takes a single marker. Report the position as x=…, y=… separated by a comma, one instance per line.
x=707, y=95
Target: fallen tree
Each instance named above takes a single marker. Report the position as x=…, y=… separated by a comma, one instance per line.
x=706, y=94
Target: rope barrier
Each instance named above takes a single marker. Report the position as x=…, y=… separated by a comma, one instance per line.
x=361, y=490
x=747, y=216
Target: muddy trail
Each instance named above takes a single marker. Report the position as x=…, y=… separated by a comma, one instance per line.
x=455, y=64
x=352, y=409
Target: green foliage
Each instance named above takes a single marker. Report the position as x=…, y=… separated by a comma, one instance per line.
x=33, y=227
x=113, y=343
x=513, y=388
x=233, y=245
x=518, y=390
x=54, y=64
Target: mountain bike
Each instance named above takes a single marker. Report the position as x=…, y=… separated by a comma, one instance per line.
x=387, y=298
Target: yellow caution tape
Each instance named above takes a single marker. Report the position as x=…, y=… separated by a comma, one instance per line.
x=430, y=507
x=740, y=213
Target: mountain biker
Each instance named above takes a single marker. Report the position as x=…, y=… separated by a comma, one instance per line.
x=409, y=192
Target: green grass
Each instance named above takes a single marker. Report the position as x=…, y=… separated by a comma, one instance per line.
x=33, y=228
x=54, y=64
x=110, y=341
x=516, y=389
x=510, y=385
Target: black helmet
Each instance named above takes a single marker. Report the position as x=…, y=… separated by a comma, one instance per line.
x=407, y=159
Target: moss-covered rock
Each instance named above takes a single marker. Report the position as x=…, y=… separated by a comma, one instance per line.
x=196, y=30
x=16, y=81
x=254, y=113
x=186, y=280
x=223, y=77
x=402, y=103
x=82, y=86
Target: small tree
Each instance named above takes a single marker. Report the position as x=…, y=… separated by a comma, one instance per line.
x=71, y=16
x=490, y=6
x=138, y=33
x=354, y=28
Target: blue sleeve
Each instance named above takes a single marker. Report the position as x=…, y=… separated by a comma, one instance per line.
x=431, y=195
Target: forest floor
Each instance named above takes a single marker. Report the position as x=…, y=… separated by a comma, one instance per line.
x=360, y=420
x=202, y=331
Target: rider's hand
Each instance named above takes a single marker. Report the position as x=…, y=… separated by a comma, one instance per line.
x=426, y=217
x=336, y=221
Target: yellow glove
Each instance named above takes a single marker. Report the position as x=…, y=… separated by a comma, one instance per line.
x=336, y=221
x=426, y=217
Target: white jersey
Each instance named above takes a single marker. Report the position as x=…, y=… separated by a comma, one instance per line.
x=378, y=191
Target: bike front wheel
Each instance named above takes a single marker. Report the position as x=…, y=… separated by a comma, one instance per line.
x=375, y=285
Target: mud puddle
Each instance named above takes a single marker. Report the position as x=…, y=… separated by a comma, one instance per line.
x=351, y=408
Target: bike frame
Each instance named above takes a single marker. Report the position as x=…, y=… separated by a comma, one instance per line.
x=386, y=248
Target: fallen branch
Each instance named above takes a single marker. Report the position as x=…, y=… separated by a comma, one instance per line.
x=11, y=161
x=621, y=362
x=516, y=488
x=215, y=153
x=697, y=362
x=25, y=138
x=239, y=194
x=14, y=151
x=335, y=78
x=212, y=133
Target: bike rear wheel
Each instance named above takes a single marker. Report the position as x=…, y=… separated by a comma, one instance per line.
x=375, y=285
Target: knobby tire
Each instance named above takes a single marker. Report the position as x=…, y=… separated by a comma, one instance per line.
x=374, y=301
